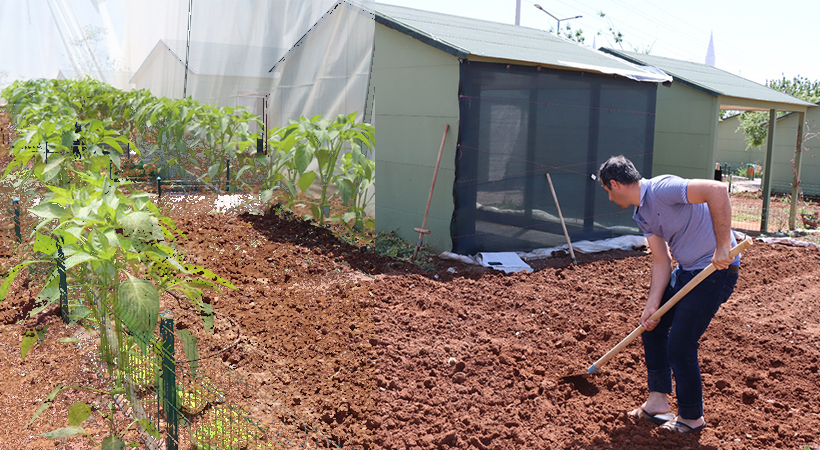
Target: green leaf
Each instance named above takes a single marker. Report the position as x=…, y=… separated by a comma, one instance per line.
x=149, y=427
x=323, y=157
x=47, y=402
x=4, y=288
x=207, y=315
x=306, y=180
x=113, y=144
x=68, y=340
x=29, y=339
x=223, y=125
x=48, y=295
x=78, y=258
x=45, y=244
x=138, y=308
x=304, y=155
x=265, y=195
x=113, y=442
x=79, y=313
x=142, y=229
x=99, y=241
x=346, y=189
x=78, y=413
x=190, y=348
x=213, y=171
x=52, y=169
x=208, y=275
x=65, y=432
x=48, y=211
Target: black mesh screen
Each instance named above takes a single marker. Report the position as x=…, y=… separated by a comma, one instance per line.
x=519, y=123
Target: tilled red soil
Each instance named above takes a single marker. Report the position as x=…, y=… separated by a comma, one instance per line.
x=477, y=363
x=382, y=355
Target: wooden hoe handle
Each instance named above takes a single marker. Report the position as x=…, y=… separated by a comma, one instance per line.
x=666, y=307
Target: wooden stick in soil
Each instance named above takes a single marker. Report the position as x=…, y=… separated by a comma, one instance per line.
x=563, y=225
x=422, y=231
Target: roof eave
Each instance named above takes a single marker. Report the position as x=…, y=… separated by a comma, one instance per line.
x=446, y=47
x=748, y=104
x=676, y=78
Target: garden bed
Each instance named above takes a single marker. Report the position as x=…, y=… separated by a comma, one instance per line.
x=379, y=354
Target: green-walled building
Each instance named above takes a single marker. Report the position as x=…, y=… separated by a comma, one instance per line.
x=519, y=103
x=686, y=129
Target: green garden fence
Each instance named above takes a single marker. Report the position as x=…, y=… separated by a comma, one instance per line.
x=190, y=406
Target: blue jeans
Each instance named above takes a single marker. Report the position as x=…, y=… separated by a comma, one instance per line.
x=672, y=346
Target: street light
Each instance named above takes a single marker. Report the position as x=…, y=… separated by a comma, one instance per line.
x=558, y=30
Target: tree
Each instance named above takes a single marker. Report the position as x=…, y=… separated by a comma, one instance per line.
x=753, y=122
x=612, y=36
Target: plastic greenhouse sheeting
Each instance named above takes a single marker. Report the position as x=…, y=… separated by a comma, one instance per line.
x=234, y=45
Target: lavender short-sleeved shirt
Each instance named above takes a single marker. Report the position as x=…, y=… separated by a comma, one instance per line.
x=665, y=211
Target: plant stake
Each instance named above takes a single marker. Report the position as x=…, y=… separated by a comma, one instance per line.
x=422, y=231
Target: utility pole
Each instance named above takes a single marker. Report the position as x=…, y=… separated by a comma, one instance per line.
x=517, y=12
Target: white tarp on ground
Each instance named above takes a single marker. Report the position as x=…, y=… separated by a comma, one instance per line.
x=618, y=243
x=505, y=261
x=629, y=242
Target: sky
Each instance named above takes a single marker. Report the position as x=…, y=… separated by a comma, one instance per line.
x=757, y=40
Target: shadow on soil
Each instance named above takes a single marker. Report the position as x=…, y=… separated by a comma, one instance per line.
x=284, y=226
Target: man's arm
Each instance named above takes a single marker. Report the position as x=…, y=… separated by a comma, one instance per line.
x=661, y=273
x=716, y=195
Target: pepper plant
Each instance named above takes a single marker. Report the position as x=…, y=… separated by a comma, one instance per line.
x=118, y=248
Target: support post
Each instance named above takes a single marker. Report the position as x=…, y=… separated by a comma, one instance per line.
x=798, y=158
x=63, y=282
x=16, y=202
x=159, y=188
x=228, y=176
x=767, y=173
x=170, y=402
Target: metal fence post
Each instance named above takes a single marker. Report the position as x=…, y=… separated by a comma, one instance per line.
x=170, y=403
x=16, y=202
x=63, y=283
x=228, y=178
x=76, y=145
x=159, y=188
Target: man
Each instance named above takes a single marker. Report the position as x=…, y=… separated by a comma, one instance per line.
x=691, y=219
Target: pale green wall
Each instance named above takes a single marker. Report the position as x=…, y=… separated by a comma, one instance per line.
x=732, y=145
x=416, y=95
x=785, y=140
x=685, y=132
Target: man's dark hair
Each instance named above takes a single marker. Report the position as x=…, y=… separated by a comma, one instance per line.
x=620, y=169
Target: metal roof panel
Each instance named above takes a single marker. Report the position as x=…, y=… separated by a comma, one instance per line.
x=709, y=79
x=504, y=42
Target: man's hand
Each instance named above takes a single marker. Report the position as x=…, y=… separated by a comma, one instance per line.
x=648, y=323
x=721, y=259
